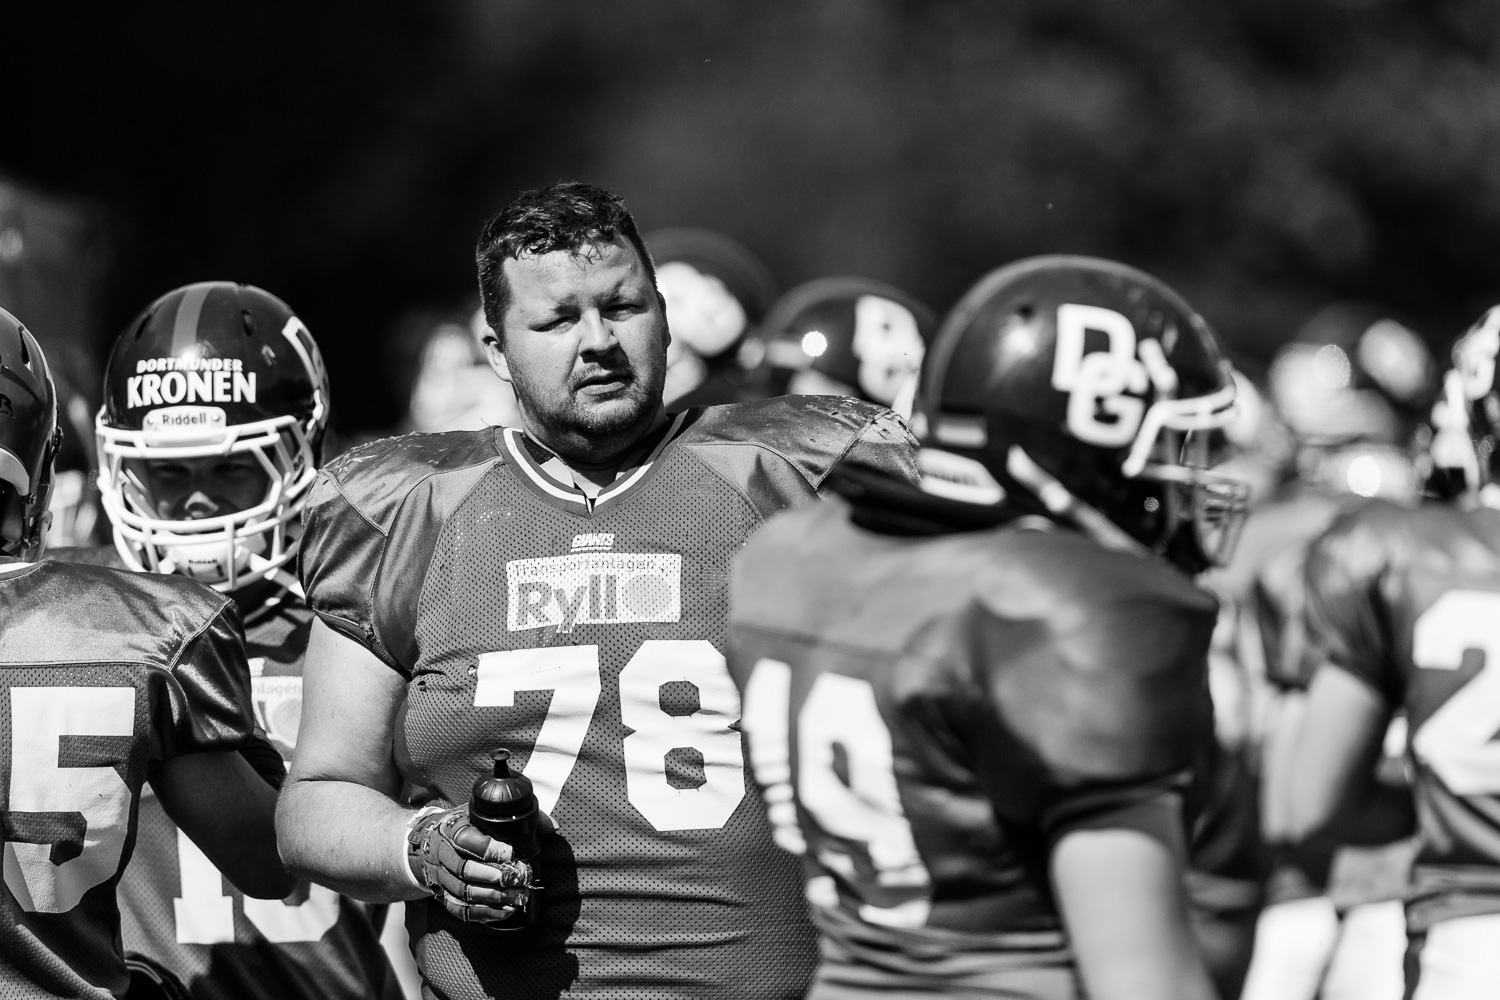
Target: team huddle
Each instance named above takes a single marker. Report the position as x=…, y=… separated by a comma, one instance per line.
x=830, y=669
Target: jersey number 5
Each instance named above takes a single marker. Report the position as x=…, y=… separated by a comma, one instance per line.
x=571, y=673
x=65, y=826
x=1457, y=740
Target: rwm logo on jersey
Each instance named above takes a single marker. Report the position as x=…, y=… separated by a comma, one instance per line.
x=594, y=588
x=1106, y=389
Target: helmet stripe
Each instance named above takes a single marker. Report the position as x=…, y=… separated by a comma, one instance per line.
x=189, y=308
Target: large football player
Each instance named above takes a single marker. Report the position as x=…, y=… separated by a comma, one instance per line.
x=1402, y=606
x=111, y=680
x=215, y=410
x=849, y=337
x=560, y=589
x=975, y=706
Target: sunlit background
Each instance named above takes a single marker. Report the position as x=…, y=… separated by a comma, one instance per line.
x=1264, y=156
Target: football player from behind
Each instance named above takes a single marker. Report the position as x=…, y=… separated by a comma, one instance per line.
x=976, y=707
x=1403, y=610
x=215, y=409
x=849, y=337
x=110, y=680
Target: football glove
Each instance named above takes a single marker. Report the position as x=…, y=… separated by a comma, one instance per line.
x=472, y=875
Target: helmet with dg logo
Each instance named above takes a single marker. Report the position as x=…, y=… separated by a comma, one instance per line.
x=1465, y=428
x=849, y=336
x=212, y=369
x=29, y=440
x=1088, y=391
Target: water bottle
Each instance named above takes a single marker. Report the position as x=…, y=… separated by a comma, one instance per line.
x=503, y=807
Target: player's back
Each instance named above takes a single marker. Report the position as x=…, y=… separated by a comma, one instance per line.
x=105, y=673
x=928, y=714
x=1409, y=601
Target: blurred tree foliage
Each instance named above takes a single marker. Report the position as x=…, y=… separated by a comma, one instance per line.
x=1264, y=156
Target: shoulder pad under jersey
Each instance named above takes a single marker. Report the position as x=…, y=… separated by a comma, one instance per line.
x=375, y=478
x=811, y=434
x=1097, y=659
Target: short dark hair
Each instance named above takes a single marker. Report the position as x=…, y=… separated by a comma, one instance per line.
x=569, y=215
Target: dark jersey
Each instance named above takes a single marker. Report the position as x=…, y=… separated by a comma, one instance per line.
x=105, y=673
x=588, y=639
x=928, y=716
x=1409, y=602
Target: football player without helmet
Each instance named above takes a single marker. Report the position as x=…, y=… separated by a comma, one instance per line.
x=716, y=294
x=1402, y=611
x=154, y=675
x=216, y=405
x=1353, y=387
x=993, y=685
x=614, y=522
x=849, y=337
x=211, y=373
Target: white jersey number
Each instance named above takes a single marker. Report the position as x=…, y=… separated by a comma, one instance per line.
x=1457, y=740
x=39, y=719
x=571, y=673
x=839, y=715
x=205, y=912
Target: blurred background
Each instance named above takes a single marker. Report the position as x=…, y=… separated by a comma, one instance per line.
x=1266, y=157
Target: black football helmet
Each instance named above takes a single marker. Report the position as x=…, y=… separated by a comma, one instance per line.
x=850, y=337
x=29, y=441
x=1465, y=429
x=213, y=368
x=1089, y=392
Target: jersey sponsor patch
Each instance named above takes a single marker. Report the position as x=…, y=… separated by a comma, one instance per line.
x=278, y=704
x=599, y=588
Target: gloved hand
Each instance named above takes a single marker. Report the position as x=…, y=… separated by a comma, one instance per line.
x=472, y=875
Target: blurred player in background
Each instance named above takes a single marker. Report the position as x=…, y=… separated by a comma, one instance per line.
x=976, y=707
x=215, y=411
x=1403, y=613
x=716, y=293
x=560, y=589
x=75, y=506
x=1351, y=389
x=454, y=389
x=848, y=337
x=110, y=680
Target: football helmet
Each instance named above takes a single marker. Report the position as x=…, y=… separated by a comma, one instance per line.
x=850, y=337
x=212, y=369
x=29, y=441
x=1465, y=431
x=1089, y=392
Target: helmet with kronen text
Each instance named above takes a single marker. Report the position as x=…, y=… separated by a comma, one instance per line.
x=212, y=369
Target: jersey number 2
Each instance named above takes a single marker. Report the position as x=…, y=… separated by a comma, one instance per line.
x=65, y=826
x=1457, y=740
x=571, y=673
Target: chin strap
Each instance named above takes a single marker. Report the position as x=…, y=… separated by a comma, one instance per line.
x=1064, y=505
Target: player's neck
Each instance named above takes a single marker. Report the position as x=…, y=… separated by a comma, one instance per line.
x=592, y=476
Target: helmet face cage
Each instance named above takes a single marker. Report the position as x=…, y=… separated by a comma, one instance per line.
x=1112, y=389
x=274, y=407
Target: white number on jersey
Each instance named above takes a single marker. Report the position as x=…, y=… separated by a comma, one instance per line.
x=1457, y=740
x=39, y=718
x=571, y=673
x=205, y=912
x=839, y=712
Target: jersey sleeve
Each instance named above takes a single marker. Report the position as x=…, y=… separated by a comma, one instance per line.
x=1106, y=710
x=210, y=696
x=339, y=562
x=1344, y=622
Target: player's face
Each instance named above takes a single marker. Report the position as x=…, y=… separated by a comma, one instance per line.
x=192, y=488
x=585, y=347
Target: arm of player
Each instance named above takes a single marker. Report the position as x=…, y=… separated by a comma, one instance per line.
x=338, y=821
x=1325, y=785
x=1118, y=880
x=228, y=810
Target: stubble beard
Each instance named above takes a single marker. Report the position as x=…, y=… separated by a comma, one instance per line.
x=593, y=435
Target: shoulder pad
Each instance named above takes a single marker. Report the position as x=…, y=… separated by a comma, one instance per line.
x=1360, y=544
x=812, y=433
x=376, y=477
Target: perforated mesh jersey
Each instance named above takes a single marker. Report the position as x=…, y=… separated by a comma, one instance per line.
x=589, y=642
